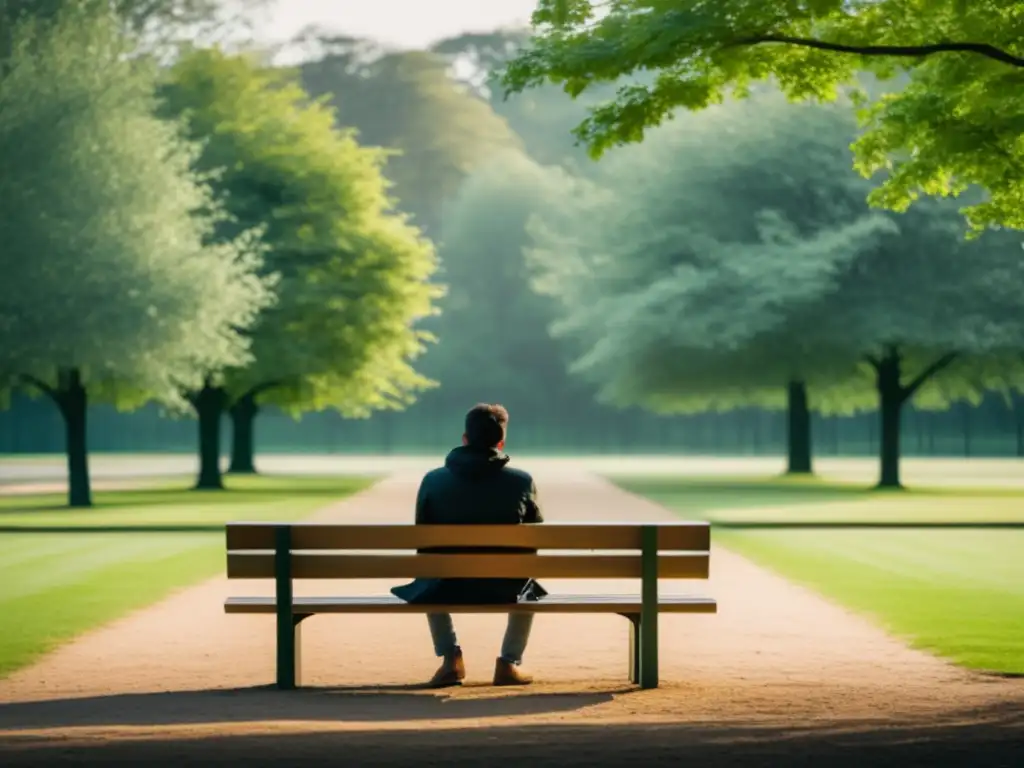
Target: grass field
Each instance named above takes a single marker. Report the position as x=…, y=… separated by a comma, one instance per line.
x=955, y=591
x=57, y=583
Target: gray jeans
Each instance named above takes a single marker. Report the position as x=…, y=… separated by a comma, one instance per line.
x=517, y=634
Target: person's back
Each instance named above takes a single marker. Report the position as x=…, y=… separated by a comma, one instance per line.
x=477, y=487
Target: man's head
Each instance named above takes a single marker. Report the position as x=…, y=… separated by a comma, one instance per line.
x=486, y=426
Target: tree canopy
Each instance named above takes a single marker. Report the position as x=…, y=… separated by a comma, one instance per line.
x=355, y=277
x=542, y=117
x=438, y=132
x=736, y=255
x=154, y=22
x=110, y=279
x=493, y=340
x=953, y=125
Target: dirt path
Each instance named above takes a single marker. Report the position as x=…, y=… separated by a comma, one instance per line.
x=776, y=655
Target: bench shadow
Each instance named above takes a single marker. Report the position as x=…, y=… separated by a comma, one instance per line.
x=863, y=525
x=77, y=529
x=377, y=703
x=973, y=739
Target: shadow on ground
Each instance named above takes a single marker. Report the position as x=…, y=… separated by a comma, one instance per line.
x=266, y=703
x=861, y=525
x=992, y=740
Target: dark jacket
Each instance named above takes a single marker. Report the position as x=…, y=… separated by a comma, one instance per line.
x=475, y=486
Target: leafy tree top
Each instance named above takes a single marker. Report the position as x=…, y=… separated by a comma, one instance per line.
x=105, y=233
x=436, y=130
x=354, y=275
x=728, y=255
x=955, y=123
x=492, y=323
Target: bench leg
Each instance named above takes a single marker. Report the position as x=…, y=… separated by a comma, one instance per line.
x=289, y=652
x=647, y=655
x=634, y=646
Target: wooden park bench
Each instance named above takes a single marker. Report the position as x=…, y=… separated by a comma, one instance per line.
x=285, y=552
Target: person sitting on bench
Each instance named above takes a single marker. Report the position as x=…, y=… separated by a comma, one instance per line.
x=476, y=486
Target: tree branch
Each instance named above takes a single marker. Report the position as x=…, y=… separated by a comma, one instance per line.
x=907, y=51
x=873, y=361
x=42, y=386
x=255, y=391
x=927, y=373
x=192, y=395
x=266, y=386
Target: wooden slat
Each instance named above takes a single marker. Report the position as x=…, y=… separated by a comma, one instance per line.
x=308, y=566
x=550, y=604
x=682, y=536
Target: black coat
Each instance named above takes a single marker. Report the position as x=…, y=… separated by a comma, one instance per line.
x=474, y=487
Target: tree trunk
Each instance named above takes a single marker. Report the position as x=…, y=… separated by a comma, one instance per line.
x=209, y=404
x=890, y=401
x=966, y=427
x=73, y=405
x=892, y=394
x=243, y=417
x=798, y=436
x=1018, y=411
x=385, y=427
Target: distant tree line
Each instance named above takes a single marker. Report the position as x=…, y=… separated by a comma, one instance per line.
x=989, y=429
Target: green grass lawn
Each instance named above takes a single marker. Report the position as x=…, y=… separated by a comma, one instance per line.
x=55, y=585
x=957, y=592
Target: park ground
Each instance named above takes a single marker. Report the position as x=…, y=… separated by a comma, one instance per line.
x=835, y=641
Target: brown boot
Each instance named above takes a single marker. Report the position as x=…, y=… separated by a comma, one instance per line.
x=506, y=673
x=451, y=672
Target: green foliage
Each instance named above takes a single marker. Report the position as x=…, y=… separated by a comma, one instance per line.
x=355, y=276
x=541, y=117
x=104, y=232
x=737, y=253
x=157, y=26
x=406, y=102
x=493, y=330
x=139, y=16
x=955, y=124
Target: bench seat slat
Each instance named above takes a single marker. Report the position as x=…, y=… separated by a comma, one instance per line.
x=550, y=604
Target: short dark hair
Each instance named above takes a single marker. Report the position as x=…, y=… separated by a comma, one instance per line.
x=486, y=425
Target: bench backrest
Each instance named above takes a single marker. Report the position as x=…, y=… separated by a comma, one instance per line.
x=677, y=550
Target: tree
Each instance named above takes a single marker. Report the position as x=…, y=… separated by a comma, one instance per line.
x=437, y=131
x=492, y=323
x=354, y=275
x=954, y=125
x=1017, y=405
x=737, y=263
x=110, y=290
x=154, y=24
x=541, y=117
